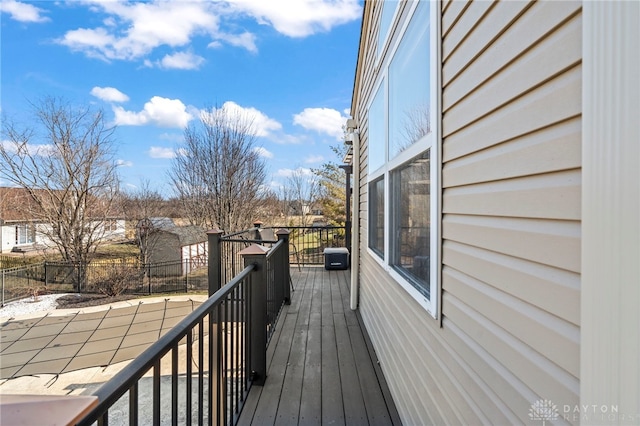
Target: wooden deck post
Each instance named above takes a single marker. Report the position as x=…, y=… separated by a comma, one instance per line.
x=257, y=255
x=214, y=261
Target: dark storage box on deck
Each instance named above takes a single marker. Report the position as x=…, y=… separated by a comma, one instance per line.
x=336, y=258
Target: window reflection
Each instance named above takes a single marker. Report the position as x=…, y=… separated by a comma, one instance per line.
x=409, y=85
x=411, y=207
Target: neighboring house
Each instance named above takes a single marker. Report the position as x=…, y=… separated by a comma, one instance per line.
x=19, y=232
x=171, y=243
x=497, y=208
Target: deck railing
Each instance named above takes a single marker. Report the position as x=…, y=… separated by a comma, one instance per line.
x=202, y=369
x=306, y=244
x=118, y=276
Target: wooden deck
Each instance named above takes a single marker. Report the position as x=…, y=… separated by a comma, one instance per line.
x=321, y=367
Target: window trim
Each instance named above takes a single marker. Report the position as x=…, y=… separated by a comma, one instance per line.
x=380, y=255
x=383, y=47
x=26, y=230
x=431, y=141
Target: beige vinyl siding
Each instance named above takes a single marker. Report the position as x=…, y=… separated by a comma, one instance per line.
x=511, y=196
x=511, y=230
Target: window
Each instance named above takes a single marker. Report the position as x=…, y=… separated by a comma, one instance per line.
x=388, y=11
x=376, y=217
x=110, y=225
x=24, y=234
x=409, y=81
x=377, y=140
x=410, y=223
x=403, y=182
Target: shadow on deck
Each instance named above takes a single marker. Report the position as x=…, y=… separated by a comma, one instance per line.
x=321, y=366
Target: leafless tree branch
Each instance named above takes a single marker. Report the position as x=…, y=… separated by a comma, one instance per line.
x=65, y=162
x=218, y=175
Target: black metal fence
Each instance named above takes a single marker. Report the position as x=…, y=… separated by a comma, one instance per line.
x=227, y=250
x=202, y=370
x=308, y=242
x=111, y=278
x=207, y=387
x=213, y=356
x=7, y=262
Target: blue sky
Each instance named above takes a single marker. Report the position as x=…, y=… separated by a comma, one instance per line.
x=152, y=66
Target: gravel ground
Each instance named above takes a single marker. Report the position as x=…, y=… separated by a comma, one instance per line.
x=50, y=302
x=44, y=303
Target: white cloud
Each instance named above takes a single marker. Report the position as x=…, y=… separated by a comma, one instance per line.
x=94, y=42
x=261, y=124
x=109, y=94
x=33, y=149
x=314, y=159
x=246, y=40
x=290, y=139
x=263, y=152
x=322, y=120
x=182, y=61
x=285, y=173
x=22, y=12
x=300, y=18
x=133, y=30
x=158, y=111
x=172, y=137
x=124, y=163
x=160, y=152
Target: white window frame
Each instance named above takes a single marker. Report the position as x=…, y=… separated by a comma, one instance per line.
x=431, y=141
x=382, y=43
x=27, y=232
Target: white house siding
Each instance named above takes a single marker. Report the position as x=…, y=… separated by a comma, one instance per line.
x=114, y=232
x=193, y=255
x=511, y=177
x=9, y=237
x=114, y=229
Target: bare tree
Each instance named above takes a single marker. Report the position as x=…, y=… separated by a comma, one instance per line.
x=218, y=174
x=415, y=125
x=271, y=209
x=140, y=207
x=302, y=190
x=69, y=172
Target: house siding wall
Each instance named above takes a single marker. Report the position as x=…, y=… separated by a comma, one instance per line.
x=511, y=177
x=9, y=236
x=192, y=255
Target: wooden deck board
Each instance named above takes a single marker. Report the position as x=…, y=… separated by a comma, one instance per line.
x=311, y=398
x=354, y=409
x=320, y=370
x=332, y=405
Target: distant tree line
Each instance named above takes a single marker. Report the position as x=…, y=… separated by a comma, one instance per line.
x=65, y=160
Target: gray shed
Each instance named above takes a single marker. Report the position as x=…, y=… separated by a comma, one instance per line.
x=172, y=243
